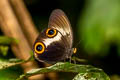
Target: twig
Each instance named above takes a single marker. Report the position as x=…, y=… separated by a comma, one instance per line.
x=25, y=20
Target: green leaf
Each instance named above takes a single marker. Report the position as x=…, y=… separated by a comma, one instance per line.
x=69, y=67
x=91, y=76
x=8, y=63
x=4, y=40
x=9, y=70
x=4, y=50
x=11, y=73
x=12, y=62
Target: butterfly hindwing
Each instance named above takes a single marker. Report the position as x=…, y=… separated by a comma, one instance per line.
x=54, y=48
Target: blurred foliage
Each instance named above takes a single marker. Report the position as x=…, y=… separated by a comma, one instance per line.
x=100, y=26
x=11, y=62
x=4, y=44
x=7, y=72
x=4, y=40
x=4, y=50
x=10, y=73
x=115, y=77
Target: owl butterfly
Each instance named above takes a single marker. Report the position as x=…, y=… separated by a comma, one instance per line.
x=54, y=44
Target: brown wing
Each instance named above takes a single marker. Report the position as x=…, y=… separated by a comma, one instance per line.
x=59, y=21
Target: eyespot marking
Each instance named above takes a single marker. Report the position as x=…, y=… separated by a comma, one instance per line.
x=51, y=32
x=39, y=47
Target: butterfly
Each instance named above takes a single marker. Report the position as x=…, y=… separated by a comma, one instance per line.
x=55, y=43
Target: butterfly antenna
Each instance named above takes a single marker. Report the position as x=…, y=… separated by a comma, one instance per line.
x=75, y=47
x=77, y=43
x=76, y=58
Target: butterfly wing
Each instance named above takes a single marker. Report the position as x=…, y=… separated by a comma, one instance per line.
x=55, y=50
x=58, y=47
x=59, y=21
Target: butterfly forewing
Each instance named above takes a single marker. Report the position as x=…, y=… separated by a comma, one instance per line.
x=59, y=21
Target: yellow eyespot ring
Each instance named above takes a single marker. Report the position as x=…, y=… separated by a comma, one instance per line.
x=51, y=32
x=39, y=48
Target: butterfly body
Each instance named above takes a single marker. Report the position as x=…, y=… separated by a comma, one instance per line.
x=54, y=44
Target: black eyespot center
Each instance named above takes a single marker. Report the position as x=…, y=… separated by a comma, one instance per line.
x=51, y=32
x=39, y=47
